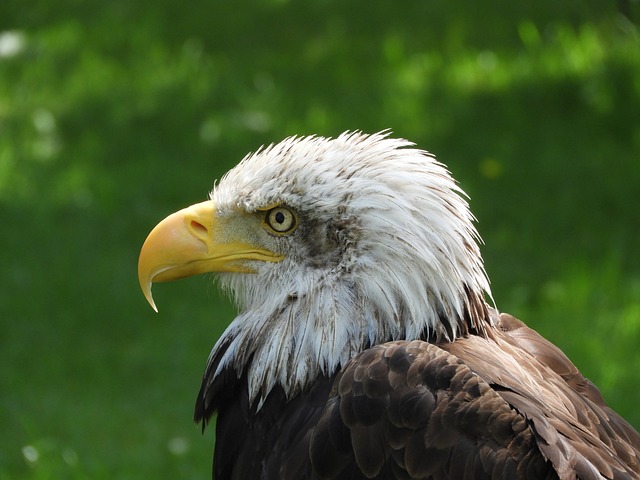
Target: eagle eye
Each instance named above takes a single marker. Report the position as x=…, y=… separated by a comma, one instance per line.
x=281, y=220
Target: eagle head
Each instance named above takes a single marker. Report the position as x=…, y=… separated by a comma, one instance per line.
x=328, y=246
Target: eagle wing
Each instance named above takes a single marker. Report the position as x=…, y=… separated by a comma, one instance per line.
x=508, y=406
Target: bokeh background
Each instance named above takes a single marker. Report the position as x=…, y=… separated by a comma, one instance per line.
x=114, y=114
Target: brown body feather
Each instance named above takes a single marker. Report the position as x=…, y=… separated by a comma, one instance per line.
x=509, y=405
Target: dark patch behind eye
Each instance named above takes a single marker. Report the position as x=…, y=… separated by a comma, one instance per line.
x=326, y=242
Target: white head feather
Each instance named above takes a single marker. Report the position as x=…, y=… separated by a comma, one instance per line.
x=386, y=249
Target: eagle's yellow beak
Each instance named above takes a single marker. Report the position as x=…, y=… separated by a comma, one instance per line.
x=188, y=243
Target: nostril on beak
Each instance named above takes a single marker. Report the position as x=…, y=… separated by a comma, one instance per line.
x=198, y=227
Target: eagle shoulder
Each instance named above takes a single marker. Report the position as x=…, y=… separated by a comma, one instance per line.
x=508, y=405
x=413, y=410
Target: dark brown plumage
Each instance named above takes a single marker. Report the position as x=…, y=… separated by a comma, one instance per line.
x=506, y=406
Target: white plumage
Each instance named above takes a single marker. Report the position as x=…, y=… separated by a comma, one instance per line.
x=404, y=251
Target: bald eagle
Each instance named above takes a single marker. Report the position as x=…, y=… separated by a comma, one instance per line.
x=367, y=343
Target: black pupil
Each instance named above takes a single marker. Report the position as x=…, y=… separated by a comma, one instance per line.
x=279, y=217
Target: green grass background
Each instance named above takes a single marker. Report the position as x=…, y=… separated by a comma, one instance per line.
x=114, y=114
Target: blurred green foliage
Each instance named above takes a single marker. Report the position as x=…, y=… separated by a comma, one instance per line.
x=113, y=114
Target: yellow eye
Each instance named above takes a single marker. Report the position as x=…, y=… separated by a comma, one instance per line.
x=281, y=220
